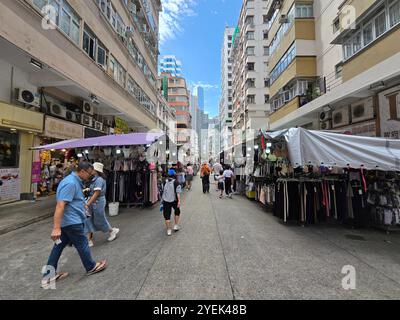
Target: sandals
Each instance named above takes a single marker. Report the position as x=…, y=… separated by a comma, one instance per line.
x=46, y=283
x=100, y=266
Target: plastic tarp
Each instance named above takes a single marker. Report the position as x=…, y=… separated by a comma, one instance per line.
x=339, y=150
x=111, y=140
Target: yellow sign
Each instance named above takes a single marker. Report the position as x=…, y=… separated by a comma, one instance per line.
x=121, y=126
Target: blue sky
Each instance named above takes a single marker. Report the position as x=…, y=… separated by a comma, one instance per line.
x=192, y=30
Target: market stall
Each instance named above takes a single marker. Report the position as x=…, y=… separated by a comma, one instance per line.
x=311, y=177
x=132, y=178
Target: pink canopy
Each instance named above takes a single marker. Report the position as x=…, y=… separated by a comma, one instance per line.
x=112, y=140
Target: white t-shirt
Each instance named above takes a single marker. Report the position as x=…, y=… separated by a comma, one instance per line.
x=228, y=173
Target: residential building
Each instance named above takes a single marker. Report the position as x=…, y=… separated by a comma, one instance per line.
x=214, y=139
x=250, y=76
x=226, y=104
x=196, y=129
x=84, y=68
x=178, y=100
x=169, y=64
x=352, y=69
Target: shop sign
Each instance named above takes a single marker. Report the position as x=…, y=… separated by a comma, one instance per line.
x=10, y=184
x=365, y=129
x=59, y=129
x=121, y=126
x=36, y=172
x=90, y=133
x=389, y=113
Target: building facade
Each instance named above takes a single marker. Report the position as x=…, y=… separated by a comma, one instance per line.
x=169, y=64
x=351, y=65
x=226, y=103
x=250, y=76
x=73, y=69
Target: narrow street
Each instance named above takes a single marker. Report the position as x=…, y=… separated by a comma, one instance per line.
x=226, y=249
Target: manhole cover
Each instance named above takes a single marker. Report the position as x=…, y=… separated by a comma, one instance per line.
x=355, y=237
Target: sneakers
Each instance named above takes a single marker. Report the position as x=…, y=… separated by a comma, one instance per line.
x=113, y=234
x=91, y=244
x=169, y=232
x=176, y=228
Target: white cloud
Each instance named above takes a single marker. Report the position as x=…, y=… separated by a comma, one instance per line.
x=170, y=19
x=205, y=86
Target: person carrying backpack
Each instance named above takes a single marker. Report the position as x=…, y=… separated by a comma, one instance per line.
x=171, y=199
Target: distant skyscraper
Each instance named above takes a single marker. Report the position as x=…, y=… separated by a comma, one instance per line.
x=169, y=64
x=200, y=97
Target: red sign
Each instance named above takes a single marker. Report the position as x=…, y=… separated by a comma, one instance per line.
x=36, y=172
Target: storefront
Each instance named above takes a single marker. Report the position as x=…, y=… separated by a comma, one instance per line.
x=91, y=133
x=55, y=163
x=18, y=133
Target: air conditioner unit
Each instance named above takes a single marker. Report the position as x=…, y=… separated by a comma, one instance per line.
x=132, y=9
x=325, y=115
x=108, y=122
x=28, y=97
x=98, y=125
x=325, y=125
x=78, y=117
x=340, y=117
x=70, y=116
x=278, y=5
x=111, y=130
x=57, y=110
x=362, y=111
x=129, y=32
x=283, y=19
x=87, y=108
x=87, y=120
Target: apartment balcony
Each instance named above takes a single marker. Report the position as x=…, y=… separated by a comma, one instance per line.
x=302, y=29
x=300, y=67
x=288, y=108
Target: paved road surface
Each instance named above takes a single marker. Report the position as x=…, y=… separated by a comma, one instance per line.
x=227, y=249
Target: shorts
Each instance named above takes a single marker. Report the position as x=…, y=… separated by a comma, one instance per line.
x=189, y=177
x=220, y=186
x=168, y=209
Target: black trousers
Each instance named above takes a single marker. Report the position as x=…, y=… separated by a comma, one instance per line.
x=228, y=186
x=206, y=184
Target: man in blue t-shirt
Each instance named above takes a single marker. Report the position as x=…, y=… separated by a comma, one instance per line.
x=69, y=220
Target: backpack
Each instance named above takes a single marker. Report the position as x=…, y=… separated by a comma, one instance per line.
x=168, y=193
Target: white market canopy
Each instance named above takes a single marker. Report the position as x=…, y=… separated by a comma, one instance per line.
x=339, y=150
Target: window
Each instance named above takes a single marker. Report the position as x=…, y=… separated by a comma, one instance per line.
x=251, y=99
x=380, y=24
x=266, y=51
x=250, y=66
x=336, y=25
x=229, y=45
x=65, y=17
x=117, y=71
x=284, y=63
x=89, y=43
x=265, y=19
x=304, y=11
x=9, y=149
x=250, y=20
x=266, y=98
x=394, y=13
x=250, y=51
x=250, y=35
x=338, y=71
x=357, y=42
x=368, y=34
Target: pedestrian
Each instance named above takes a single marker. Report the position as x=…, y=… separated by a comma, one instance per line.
x=221, y=179
x=96, y=206
x=171, y=198
x=189, y=176
x=69, y=226
x=228, y=175
x=217, y=168
x=180, y=176
x=205, y=177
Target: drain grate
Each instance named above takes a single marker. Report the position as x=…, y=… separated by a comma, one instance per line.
x=355, y=237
